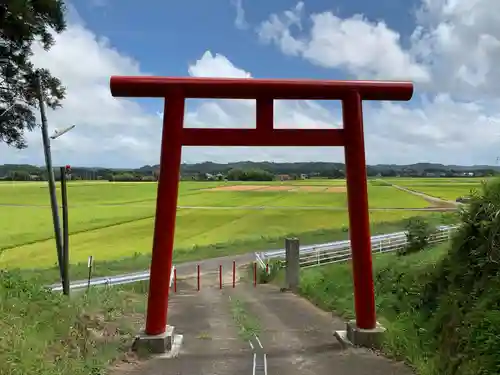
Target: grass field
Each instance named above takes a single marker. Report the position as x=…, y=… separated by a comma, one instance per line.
x=445, y=188
x=115, y=220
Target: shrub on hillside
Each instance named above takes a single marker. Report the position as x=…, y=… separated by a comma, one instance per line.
x=266, y=276
x=461, y=303
x=418, y=234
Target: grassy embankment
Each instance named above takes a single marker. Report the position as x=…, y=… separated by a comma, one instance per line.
x=441, y=306
x=46, y=333
x=114, y=221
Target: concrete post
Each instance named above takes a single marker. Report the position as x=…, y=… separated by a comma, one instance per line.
x=292, y=264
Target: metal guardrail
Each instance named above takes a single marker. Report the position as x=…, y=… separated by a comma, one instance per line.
x=110, y=281
x=312, y=255
x=260, y=261
x=339, y=251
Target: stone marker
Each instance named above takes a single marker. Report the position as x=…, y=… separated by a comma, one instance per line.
x=292, y=264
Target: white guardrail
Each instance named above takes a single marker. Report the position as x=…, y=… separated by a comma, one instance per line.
x=109, y=281
x=310, y=256
x=340, y=251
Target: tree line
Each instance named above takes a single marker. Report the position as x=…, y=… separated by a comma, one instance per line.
x=248, y=171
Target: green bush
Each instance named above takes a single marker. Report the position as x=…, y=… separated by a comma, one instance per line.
x=462, y=301
x=264, y=277
x=418, y=234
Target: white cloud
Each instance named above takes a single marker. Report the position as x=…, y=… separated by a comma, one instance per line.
x=278, y=30
x=366, y=49
x=460, y=41
x=454, y=48
x=105, y=125
x=240, y=21
x=216, y=66
x=440, y=130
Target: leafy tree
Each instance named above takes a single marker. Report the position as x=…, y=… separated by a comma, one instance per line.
x=235, y=175
x=418, y=233
x=22, y=23
x=249, y=175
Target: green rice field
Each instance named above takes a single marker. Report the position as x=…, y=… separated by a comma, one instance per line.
x=115, y=220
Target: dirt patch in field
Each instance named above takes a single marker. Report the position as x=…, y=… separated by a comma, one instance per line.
x=239, y=188
x=277, y=188
x=337, y=189
x=441, y=204
x=289, y=188
x=310, y=188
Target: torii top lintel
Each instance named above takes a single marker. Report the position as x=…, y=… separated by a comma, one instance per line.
x=250, y=88
x=176, y=90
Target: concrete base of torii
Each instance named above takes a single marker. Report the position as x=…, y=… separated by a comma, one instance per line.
x=163, y=343
x=367, y=338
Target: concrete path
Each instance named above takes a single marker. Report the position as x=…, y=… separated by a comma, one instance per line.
x=298, y=338
x=211, y=343
x=292, y=337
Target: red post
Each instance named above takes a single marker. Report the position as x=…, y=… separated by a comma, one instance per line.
x=175, y=280
x=359, y=221
x=234, y=273
x=166, y=210
x=255, y=274
x=198, y=277
x=220, y=276
x=267, y=268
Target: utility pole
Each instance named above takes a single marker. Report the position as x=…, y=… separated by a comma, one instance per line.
x=64, y=198
x=50, y=178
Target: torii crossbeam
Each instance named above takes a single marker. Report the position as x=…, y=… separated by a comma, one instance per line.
x=176, y=90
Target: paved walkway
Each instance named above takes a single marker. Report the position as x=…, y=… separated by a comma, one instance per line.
x=298, y=337
x=211, y=344
x=294, y=337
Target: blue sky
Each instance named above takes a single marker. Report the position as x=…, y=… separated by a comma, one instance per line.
x=449, y=48
x=166, y=35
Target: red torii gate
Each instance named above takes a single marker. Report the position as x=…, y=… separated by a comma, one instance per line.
x=174, y=136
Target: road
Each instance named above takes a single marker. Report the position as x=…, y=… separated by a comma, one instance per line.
x=184, y=270
x=292, y=337
x=211, y=265
x=429, y=198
